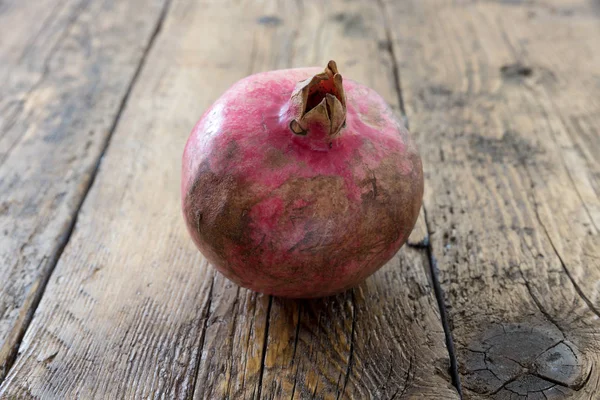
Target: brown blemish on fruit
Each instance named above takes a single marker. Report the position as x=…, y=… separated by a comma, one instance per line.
x=275, y=158
x=216, y=203
x=333, y=231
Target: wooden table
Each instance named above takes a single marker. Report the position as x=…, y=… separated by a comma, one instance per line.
x=103, y=295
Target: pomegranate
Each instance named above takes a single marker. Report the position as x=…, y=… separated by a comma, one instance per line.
x=298, y=185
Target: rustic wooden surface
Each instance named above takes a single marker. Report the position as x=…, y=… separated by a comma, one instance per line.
x=503, y=98
x=65, y=68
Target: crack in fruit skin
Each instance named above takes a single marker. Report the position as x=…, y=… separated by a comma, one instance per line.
x=280, y=214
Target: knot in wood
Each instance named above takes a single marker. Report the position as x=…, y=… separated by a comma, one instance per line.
x=523, y=361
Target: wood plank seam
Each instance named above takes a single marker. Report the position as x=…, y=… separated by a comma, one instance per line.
x=264, y=348
x=47, y=271
x=394, y=64
x=548, y=277
x=235, y=304
x=439, y=293
x=440, y=297
x=351, y=351
x=394, y=348
x=296, y=337
x=202, y=341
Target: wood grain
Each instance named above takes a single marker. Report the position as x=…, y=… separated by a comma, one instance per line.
x=133, y=310
x=355, y=345
x=65, y=67
x=504, y=99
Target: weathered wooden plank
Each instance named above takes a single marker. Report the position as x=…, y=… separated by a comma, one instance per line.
x=25, y=51
x=65, y=68
x=133, y=307
x=384, y=339
x=504, y=99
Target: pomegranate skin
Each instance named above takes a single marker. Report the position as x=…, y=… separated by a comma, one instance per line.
x=305, y=214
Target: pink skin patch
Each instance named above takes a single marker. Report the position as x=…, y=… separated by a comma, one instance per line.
x=246, y=135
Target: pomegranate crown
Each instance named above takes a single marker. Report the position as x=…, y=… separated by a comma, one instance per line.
x=319, y=101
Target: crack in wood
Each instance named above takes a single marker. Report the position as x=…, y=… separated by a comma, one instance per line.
x=232, y=334
x=264, y=347
x=203, y=338
x=566, y=270
x=351, y=351
x=297, y=335
x=247, y=347
x=517, y=55
x=394, y=64
x=294, y=386
x=562, y=158
x=389, y=374
x=439, y=295
x=533, y=360
x=539, y=305
x=406, y=380
x=47, y=271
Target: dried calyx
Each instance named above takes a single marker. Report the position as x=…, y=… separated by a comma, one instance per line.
x=319, y=103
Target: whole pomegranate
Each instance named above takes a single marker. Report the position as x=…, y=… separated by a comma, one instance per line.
x=298, y=185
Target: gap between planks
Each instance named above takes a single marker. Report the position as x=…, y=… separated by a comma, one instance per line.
x=264, y=347
x=203, y=340
x=45, y=277
x=426, y=245
x=123, y=104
